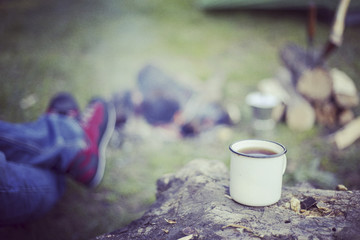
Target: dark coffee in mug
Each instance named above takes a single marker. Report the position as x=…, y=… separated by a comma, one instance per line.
x=256, y=152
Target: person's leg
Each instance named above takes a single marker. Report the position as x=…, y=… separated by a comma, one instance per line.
x=62, y=143
x=27, y=192
x=50, y=142
x=38, y=154
x=29, y=155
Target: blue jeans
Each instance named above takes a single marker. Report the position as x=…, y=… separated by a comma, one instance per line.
x=34, y=158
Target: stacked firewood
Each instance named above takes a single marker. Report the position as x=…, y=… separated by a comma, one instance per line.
x=314, y=95
x=331, y=92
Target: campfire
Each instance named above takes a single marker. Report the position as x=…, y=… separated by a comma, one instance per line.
x=164, y=103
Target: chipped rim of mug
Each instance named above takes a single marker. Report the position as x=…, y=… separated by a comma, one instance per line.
x=263, y=156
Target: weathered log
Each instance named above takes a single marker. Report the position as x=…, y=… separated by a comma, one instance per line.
x=345, y=92
x=194, y=203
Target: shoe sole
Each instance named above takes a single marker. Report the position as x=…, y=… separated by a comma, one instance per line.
x=102, y=146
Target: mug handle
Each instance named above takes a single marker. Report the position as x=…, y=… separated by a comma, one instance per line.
x=285, y=163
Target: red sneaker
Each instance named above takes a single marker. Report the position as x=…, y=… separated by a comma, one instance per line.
x=97, y=121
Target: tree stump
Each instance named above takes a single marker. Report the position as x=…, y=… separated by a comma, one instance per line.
x=194, y=203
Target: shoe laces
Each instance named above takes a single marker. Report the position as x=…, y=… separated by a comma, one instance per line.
x=87, y=115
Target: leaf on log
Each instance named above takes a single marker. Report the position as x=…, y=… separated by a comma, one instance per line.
x=187, y=237
x=170, y=221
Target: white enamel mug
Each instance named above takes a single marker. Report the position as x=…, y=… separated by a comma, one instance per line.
x=256, y=180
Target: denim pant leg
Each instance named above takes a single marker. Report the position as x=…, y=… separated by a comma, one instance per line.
x=33, y=160
x=50, y=142
x=27, y=192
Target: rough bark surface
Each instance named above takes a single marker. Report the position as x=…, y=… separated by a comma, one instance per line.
x=194, y=203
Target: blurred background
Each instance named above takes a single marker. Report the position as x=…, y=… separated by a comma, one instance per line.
x=97, y=48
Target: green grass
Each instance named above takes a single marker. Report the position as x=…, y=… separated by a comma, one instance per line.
x=93, y=47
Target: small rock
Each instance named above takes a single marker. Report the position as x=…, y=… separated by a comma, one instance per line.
x=170, y=221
